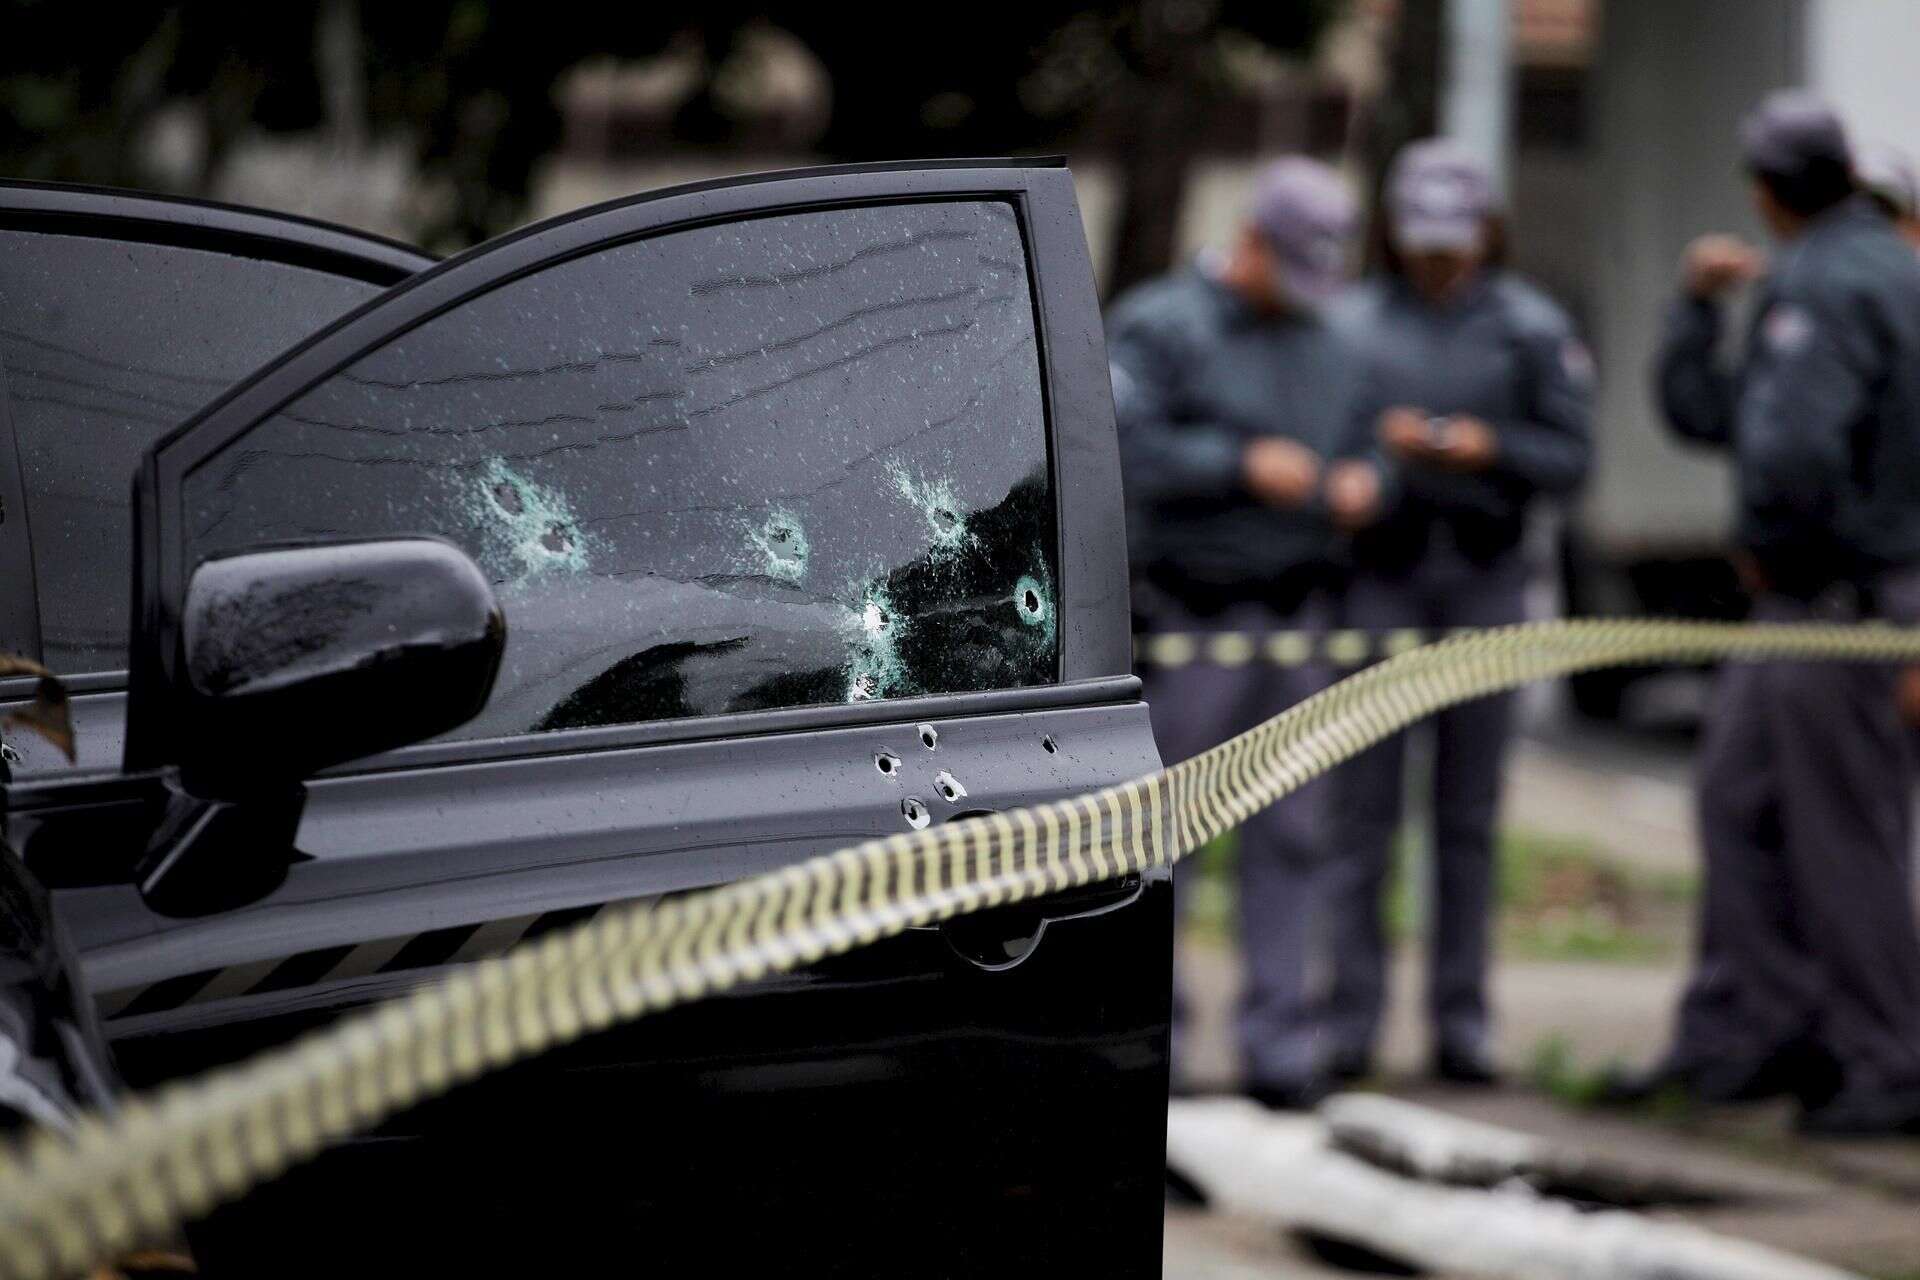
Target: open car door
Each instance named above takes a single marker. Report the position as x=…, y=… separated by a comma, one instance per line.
x=801, y=498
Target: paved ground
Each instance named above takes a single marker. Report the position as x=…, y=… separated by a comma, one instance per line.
x=1857, y=1205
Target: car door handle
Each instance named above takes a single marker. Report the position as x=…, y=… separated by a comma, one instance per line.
x=1002, y=937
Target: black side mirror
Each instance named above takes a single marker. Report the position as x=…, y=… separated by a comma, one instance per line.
x=297, y=659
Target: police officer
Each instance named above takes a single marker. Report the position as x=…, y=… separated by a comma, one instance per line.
x=1476, y=401
x=1229, y=391
x=1808, y=979
x=1888, y=177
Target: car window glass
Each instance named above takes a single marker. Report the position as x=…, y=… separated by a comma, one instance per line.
x=107, y=344
x=785, y=461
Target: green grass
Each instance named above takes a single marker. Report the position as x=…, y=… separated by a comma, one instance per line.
x=1557, y=1071
x=1563, y=898
x=1558, y=898
x=1208, y=888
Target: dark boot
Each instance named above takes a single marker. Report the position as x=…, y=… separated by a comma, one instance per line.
x=1289, y=1095
x=1349, y=1068
x=1863, y=1113
x=1797, y=1070
x=1466, y=1064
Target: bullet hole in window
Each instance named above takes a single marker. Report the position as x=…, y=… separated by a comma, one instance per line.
x=1030, y=601
x=887, y=763
x=525, y=528
x=782, y=544
x=941, y=508
x=1048, y=745
x=929, y=737
x=949, y=786
x=874, y=631
x=1035, y=604
x=916, y=813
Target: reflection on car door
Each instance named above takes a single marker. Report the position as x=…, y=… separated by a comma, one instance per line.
x=801, y=501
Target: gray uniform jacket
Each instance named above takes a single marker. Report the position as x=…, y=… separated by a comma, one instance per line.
x=1506, y=354
x=1823, y=413
x=1196, y=375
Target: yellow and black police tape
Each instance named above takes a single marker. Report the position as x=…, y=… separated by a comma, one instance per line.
x=71, y=1199
x=1334, y=647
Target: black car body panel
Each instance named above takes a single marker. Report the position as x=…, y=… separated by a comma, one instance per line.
x=964, y=1100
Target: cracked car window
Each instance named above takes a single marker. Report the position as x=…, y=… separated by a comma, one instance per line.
x=779, y=462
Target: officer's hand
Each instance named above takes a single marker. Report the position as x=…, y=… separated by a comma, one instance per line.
x=1907, y=696
x=1753, y=578
x=1715, y=263
x=1465, y=443
x=1353, y=494
x=1405, y=432
x=1280, y=471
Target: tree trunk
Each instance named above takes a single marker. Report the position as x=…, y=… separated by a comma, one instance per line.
x=1433, y=1146
x=1153, y=183
x=1408, y=107
x=1170, y=43
x=1283, y=1170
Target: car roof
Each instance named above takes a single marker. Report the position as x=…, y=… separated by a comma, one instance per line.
x=73, y=209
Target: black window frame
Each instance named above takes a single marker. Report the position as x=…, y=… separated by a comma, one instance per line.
x=1095, y=641
x=19, y=584
x=104, y=213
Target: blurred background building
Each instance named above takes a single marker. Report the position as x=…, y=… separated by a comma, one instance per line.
x=1611, y=123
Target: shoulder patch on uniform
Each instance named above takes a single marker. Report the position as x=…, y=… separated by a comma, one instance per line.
x=1576, y=361
x=1787, y=328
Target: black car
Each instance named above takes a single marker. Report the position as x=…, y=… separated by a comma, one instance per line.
x=800, y=499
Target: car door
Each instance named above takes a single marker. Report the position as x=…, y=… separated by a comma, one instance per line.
x=123, y=315
x=801, y=498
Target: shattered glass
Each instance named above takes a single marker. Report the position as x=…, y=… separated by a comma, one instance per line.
x=779, y=462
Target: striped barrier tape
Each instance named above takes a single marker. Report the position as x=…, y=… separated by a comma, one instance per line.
x=1333, y=647
x=72, y=1199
